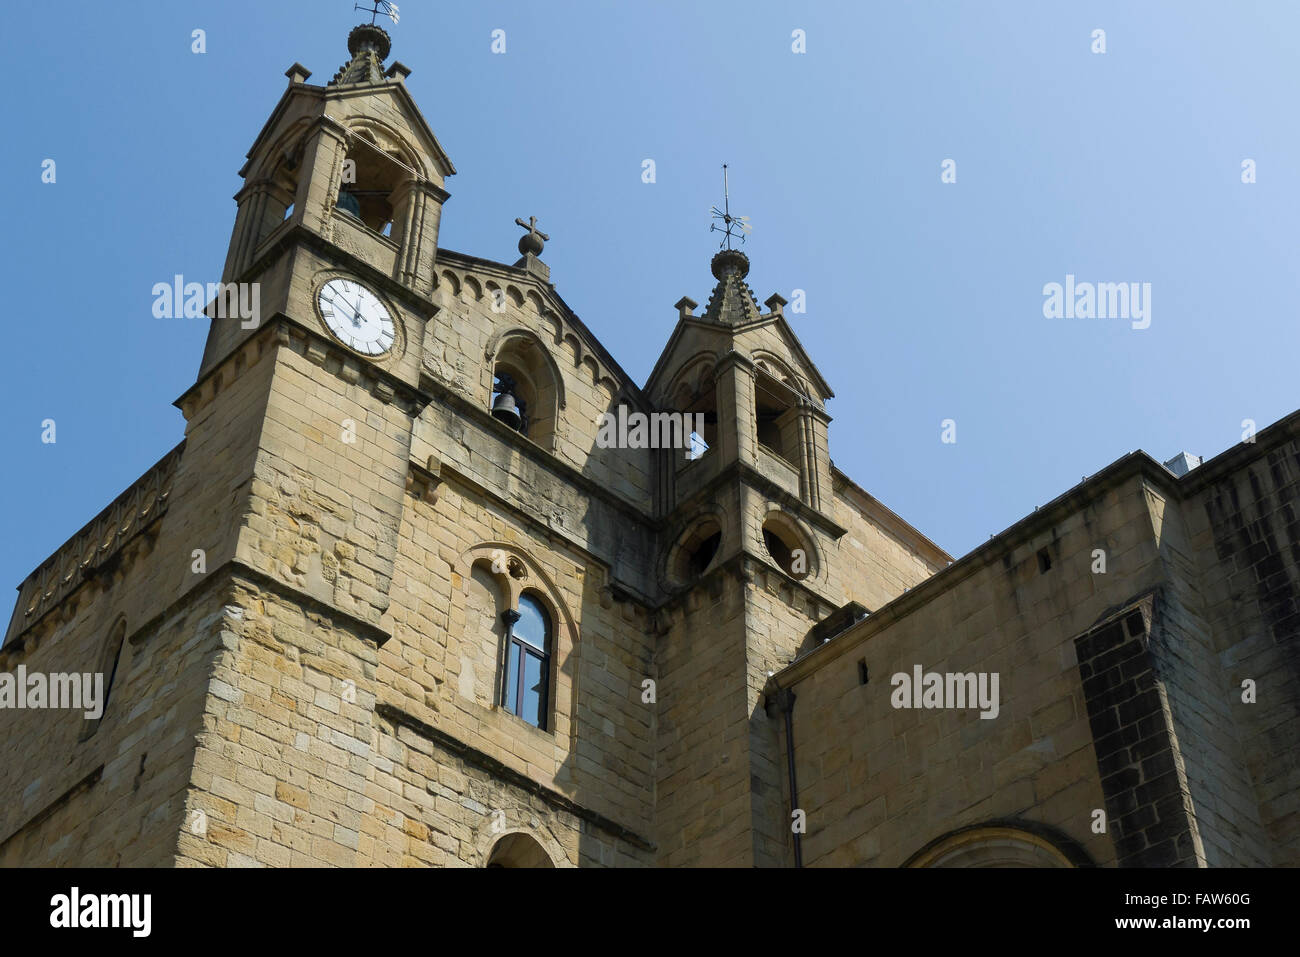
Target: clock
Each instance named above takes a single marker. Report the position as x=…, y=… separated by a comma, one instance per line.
x=357, y=317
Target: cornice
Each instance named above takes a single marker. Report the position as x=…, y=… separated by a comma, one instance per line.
x=1135, y=465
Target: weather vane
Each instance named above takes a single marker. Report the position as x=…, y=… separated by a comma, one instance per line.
x=379, y=6
x=729, y=222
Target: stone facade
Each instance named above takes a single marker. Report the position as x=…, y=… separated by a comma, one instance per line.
x=1121, y=684
x=304, y=611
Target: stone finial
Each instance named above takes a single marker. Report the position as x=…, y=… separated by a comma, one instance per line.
x=369, y=45
x=370, y=36
x=397, y=70
x=532, y=241
x=776, y=304
x=531, y=245
x=685, y=307
x=297, y=73
x=732, y=302
x=729, y=262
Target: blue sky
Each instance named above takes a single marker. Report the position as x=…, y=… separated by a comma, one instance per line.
x=924, y=298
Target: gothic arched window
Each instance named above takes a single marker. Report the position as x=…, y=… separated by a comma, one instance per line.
x=526, y=685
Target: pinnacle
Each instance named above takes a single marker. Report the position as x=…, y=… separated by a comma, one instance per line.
x=369, y=44
x=732, y=301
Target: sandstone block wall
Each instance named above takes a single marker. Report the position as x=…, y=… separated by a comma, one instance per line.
x=1242, y=520
x=878, y=783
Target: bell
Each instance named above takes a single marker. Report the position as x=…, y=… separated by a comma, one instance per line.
x=505, y=409
x=349, y=203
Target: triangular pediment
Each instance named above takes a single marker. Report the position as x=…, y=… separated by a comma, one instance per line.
x=733, y=322
x=397, y=126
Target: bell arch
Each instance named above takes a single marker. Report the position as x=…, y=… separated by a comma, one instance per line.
x=520, y=365
x=388, y=140
x=378, y=170
x=693, y=391
x=780, y=370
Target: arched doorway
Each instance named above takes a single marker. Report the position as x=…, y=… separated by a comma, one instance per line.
x=518, y=850
x=997, y=845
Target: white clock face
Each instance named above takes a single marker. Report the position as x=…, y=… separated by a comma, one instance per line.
x=357, y=317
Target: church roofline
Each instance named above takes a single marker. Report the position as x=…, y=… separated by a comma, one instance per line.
x=802, y=354
x=1127, y=467
x=147, y=511
x=394, y=84
x=768, y=318
x=893, y=522
x=548, y=289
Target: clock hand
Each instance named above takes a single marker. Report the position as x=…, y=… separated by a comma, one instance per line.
x=356, y=312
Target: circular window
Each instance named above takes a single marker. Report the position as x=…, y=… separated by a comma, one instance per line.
x=695, y=551
x=786, y=547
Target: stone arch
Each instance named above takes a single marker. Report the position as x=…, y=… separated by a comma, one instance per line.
x=782, y=536
x=692, y=390
x=473, y=287
x=572, y=342
x=523, y=355
x=453, y=284
x=554, y=323
x=287, y=144
x=775, y=398
x=679, y=562
x=780, y=370
x=520, y=847
x=523, y=574
x=695, y=375
x=1001, y=844
x=486, y=599
x=388, y=140
x=276, y=174
x=608, y=386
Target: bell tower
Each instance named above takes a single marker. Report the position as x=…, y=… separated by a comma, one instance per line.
x=751, y=530
x=345, y=176
x=305, y=415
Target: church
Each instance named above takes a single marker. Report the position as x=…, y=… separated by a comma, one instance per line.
x=397, y=599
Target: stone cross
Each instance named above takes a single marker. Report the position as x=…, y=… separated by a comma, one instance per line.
x=531, y=226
